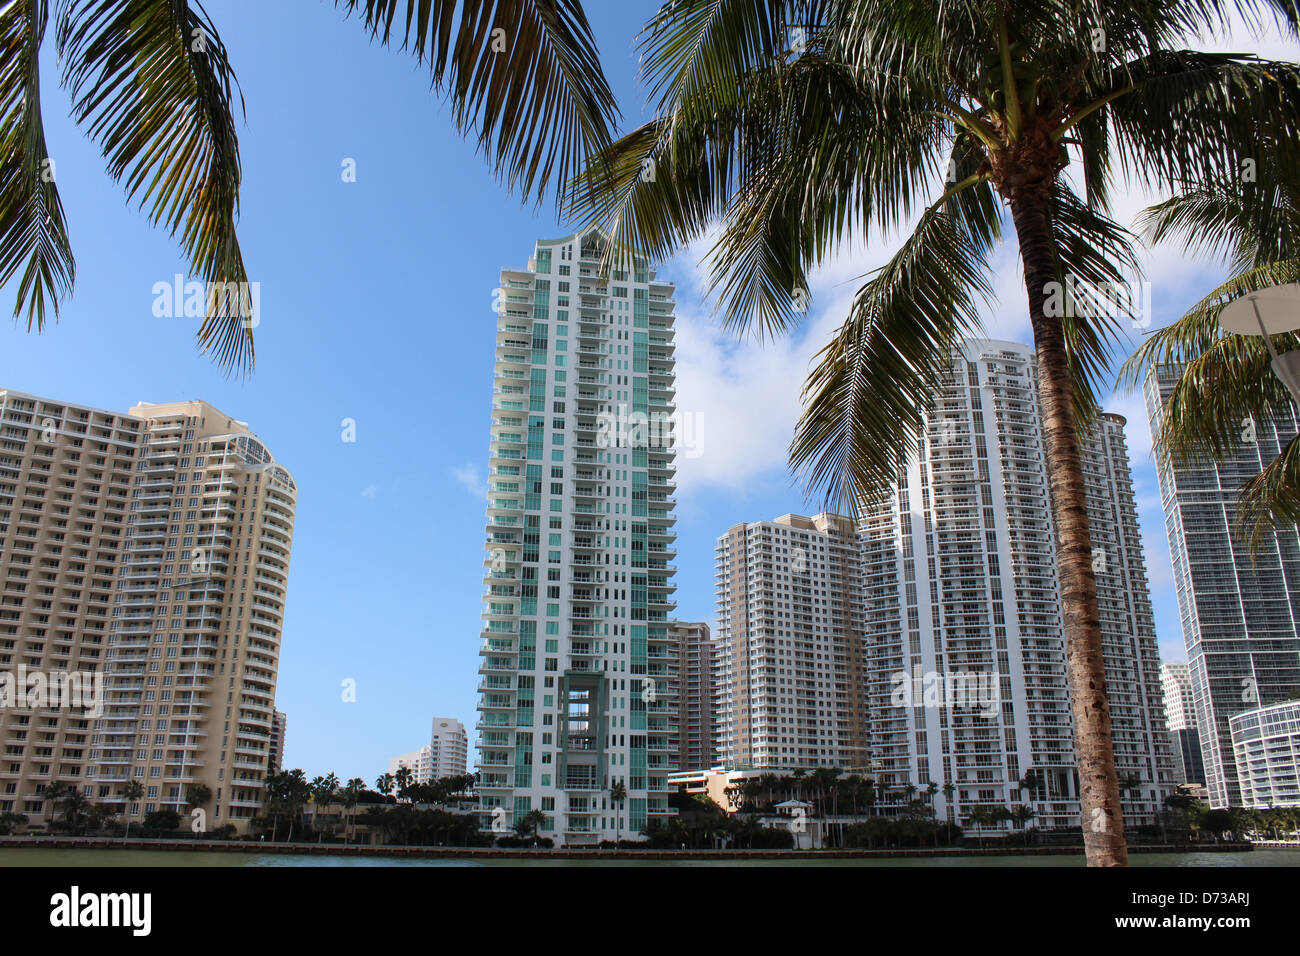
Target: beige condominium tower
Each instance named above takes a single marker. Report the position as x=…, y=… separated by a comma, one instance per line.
x=144, y=561
x=792, y=662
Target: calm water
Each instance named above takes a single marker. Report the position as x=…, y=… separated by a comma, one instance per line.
x=11, y=856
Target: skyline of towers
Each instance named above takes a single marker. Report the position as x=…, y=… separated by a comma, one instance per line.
x=161, y=540
x=578, y=675
x=1240, y=611
x=942, y=608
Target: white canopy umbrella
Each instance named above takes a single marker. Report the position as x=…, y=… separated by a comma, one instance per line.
x=1271, y=311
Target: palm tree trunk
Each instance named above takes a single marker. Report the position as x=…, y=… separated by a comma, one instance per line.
x=1103, y=823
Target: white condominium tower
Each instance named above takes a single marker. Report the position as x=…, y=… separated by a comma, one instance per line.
x=790, y=644
x=443, y=756
x=448, y=748
x=963, y=616
x=577, y=671
x=1240, y=611
x=152, y=548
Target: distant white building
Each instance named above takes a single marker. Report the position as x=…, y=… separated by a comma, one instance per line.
x=420, y=763
x=449, y=748
x=445, y=755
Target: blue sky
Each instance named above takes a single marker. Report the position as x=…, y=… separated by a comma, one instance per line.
x=376, y=306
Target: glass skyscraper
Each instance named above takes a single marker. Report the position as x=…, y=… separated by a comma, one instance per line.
x=1239, y=610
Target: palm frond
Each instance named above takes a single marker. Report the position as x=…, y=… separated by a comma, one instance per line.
x=1191, y=118
x=818, y=161
x=810, y=160
x=1270, y=501
x=975, y=208
x=523, y=78
x=867, y=397
x=153, y=84
x=698, y=49
x=34, y=243
x=654, y=189
x=1096, y=261
x=1251, y=221
x=1197, y=330
x=1223, y=377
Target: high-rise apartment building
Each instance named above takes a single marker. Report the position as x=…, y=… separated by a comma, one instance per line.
x=963, y=622
x=791, y=645
x=1180, y=716
x=448, y=748
x=1239, y=609
x=151, y=549
x=697, y=698
x=577, y=669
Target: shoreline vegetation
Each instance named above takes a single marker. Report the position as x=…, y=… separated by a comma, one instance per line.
x=327, y=849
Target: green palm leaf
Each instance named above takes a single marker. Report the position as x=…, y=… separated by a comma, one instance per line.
x=523, y=78
x=34, y=242
x=872, y=385
x=153, y=85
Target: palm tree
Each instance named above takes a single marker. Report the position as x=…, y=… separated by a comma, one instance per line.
x=132, y=791
x=75, y=806
x=1020, y=816
x=980, y=816
x=800, y=125
x=617, y=794
x=349, y=797
x=1131, y=784
x=530, y=824
x=197, y=794
x=287, y=791
x=403, y=780
x=384, y=783
x=323, y=791
x=1226, y=381
x=54, y=792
